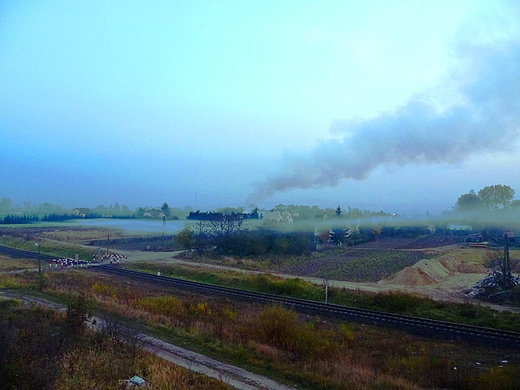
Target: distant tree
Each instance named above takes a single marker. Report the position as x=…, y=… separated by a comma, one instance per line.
x=165, y=209
x=227, y=224
x=281, y=245
x=337, y=236
x=230, y=210
x=323, y=236
x=376, y=231
x=515, y=205
x=468, y=202
x=100, y=210
x=117, y=209
x=202, y=237
x=315, y=211
x=252, y=215
x=47, y=208
x=338, y=211
x=304, y=212
x=139, y=213
x=177, y=213
x=185, y=238
x=496, y=197
x=354, y=212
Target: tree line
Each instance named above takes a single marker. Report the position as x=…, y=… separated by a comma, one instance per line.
x=54, y=217
x=219, y=215
x=490, y=198
x=231, y=240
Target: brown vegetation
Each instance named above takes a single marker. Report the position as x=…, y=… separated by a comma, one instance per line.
x=305, y=350
x=8, y=264
x=79, y=234
x=44, y=349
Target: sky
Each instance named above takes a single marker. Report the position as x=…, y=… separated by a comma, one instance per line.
x=399, y=105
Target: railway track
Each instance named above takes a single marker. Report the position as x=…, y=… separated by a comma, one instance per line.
x=21, y=253
x=415, y=325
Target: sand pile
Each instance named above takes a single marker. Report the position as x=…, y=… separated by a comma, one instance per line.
x=410, y=276
x=432, y=271
x=472, y=268
x=450, y=262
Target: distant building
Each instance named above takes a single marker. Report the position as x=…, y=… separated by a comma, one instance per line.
x=276, y=216
x=455, y=226
x=82, y=212
x=153, y=213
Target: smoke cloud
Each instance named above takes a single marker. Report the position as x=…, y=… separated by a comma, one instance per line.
x=487, y=118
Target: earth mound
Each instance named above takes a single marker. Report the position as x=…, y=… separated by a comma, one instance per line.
x=432, y=271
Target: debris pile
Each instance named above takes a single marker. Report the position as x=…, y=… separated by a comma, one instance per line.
x=491, y=288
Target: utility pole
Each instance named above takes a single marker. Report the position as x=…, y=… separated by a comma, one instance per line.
x=40, y=279
x=326, y=284
x=39, y=259
x=164, y=225
x=163, y=229
x=506, y=264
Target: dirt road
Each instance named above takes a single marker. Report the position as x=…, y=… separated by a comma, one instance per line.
x=231, y=375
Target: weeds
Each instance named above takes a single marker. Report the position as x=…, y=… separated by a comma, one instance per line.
x=393, y=302
x=312, y=352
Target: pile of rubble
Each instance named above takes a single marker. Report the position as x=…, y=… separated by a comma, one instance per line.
x=494, y=287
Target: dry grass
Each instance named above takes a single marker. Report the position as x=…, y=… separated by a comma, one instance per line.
x=8, y=264
x=109, y=368
x=80, y=234
x=308, y=351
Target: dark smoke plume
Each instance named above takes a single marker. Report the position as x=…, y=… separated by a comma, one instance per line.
x=488, y=119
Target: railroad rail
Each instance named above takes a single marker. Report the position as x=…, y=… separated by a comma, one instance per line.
x=21, y=253
x=420, y=326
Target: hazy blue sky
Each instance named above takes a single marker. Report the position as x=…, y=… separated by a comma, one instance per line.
x=393, y=105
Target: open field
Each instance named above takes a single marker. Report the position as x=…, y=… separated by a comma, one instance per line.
x=346, y=355
x=308, y=351
x=381, y=265
x=425, y=242
x=354, y=265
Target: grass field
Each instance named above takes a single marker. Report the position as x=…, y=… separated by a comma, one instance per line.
x=309, y=351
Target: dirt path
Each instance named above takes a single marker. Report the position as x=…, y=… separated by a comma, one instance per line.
x=231, y=375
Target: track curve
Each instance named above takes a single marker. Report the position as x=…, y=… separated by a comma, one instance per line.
x=415, y=325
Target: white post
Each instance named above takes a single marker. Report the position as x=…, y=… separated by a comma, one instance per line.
x=326, y=284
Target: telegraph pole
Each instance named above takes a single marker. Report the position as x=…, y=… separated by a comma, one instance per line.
x=506, y=264
x=326, y=284
x=40, y=280
x=39, y=259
